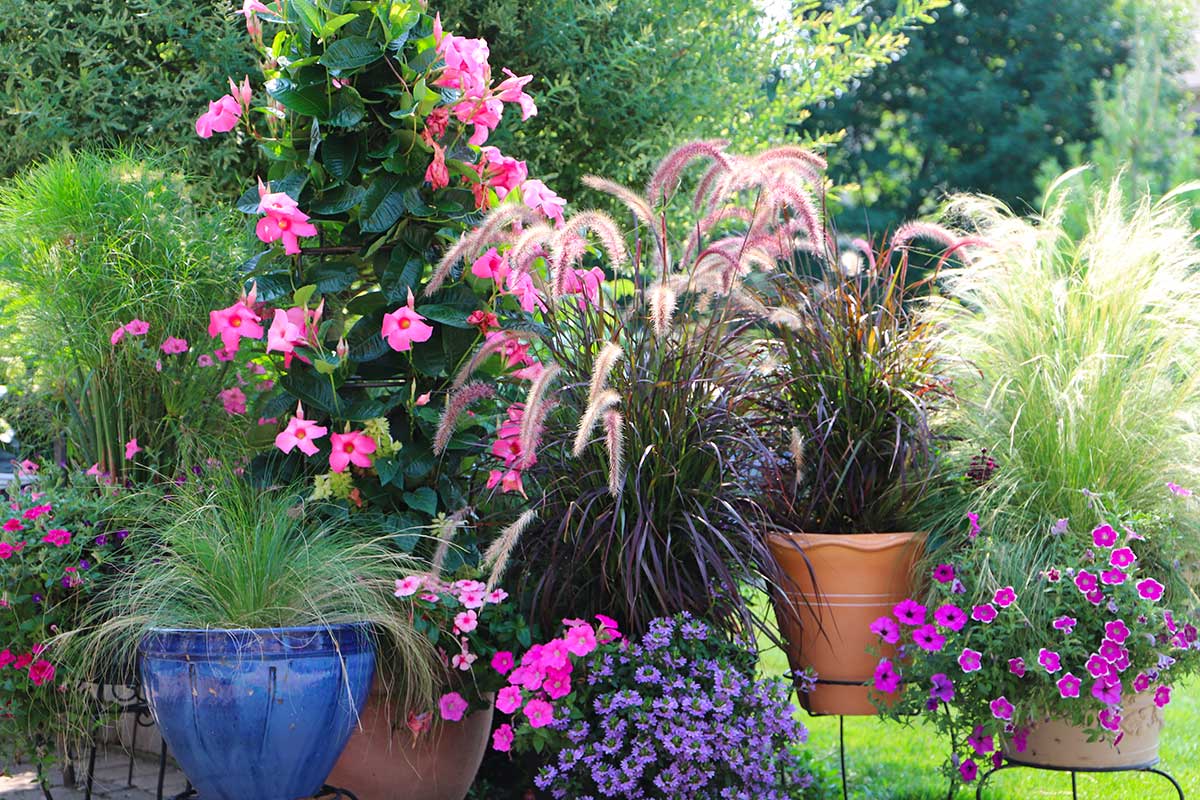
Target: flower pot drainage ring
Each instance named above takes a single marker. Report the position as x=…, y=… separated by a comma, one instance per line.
x=326, y=793
x=1149, y=768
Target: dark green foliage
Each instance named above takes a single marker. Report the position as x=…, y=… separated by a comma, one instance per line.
x=109, y=71
x=981, y=99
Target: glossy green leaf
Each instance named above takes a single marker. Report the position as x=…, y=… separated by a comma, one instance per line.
x=339, y=154
x=350, y=53
x=445, y=314
x=422, y=499
x=311, y=100
x=303, y=295
x=383, y=206
x=334, y=277
x=338, y=201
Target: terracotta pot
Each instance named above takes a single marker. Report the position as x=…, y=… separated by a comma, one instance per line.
x=382, y=763
x=1056, y=743
x=840, y=584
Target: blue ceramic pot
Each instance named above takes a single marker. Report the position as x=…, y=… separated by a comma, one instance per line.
x=257, y=714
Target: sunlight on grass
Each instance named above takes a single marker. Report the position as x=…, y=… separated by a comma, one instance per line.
x=893, y=761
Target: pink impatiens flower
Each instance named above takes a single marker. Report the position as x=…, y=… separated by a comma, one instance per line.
x=222, y=116
x=300, y=433
x=452, y=705
x=354, y=448
x=502, y=738
x=466, y=621
x=174, y=346
x=404, y=326
x=282, y=219
x=406, y=587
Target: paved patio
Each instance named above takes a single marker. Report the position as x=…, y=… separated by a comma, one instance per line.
x=113, y=780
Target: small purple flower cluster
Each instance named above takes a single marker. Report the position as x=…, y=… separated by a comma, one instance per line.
x=678, y=715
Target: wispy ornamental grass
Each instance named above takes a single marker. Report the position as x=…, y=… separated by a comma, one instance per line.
x=1074, y=359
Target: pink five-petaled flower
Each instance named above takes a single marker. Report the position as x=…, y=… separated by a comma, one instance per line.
x=540, y=713
x=1085, y=581
x=1017, y=666
x=886, y=629
x=1068, y=685
x=1150, y=589
x=928, y=639
x=981, y=743
x=1111, y=652
x=466, y=621
x=950, y=616
x=943, y=573
x=502, y=738
x=407, y=587
x=973, y=522
x=1162, y=696
x=1104, y=536
x=1004, y=597
x=41, y=671
x=491, y=266
x=969, y=770
x=1098, y=666
x=910, y=612
x=1142, y=682
x=943, y=687
x=887, y=680
x=282, y=219
x=540, y=197
x=452, y=705
x=1110, y=719
x=1049, y=660
x=1122, y=557
x=300, y=432
x=284, y=335
x=234, y=323
x=222, y=116
x=1116, y=630
x=354, y=447
x=7, y=551
x=984, y=613
x=13, y=525
x=233, y=400
x=132, y=449
x=57, y=537
x=557, y=684
x=1064, y=623
x=404, y=326
x=174, y=346
x=581, y=640
x=1179, y=490
x=1107, y=690
x=1112, y=577
x=1001, y=708
x=970, y=660
x=502, y=662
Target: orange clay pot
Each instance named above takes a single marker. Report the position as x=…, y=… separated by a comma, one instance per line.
x=1058, y=744
x=840, y=584
x=380, y=763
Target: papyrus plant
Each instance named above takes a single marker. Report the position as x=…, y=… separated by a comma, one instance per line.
x=633, y=442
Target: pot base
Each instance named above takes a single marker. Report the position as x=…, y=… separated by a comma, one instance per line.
x=1056, y=744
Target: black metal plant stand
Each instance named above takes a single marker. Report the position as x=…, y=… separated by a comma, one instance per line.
x=796, y=684
x=326, y=793
x=1149, y=768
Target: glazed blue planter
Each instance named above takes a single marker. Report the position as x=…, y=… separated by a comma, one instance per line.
x=257, y=714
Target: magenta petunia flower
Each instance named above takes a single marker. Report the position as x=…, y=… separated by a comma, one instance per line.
x=1150, y=589
x=1112, y=577
x=1104, y=536
x=1110, y=651
x=1162, y=696
x=1085, y=581
x=887, y=680
x=1098, y=666
x=502, y=738
x=981, y=742
x=928, y=639
x=540, y=713
x=910, y=612
x=973, y=522
x=1095, y=596
x=1002, y=709
x=1179, y=490
x=1122, y=557
x=1017, y=667
x=1116, y=630
x=984, y=613
x=1107, y=690
x=1110, y=719
x=943, y=687
x=1065, y=623
x=968, y=770
x=950, y=616
x=1049, y=660
x=1005, y=597
x=1142, y=682
x=943, y=573
x=886, y=629
x=452, y=705
x=970, y=660
x=1068, y=685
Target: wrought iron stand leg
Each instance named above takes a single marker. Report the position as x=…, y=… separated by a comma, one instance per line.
x=132, y=754
x=1171, y=778
x=89, y=780
x=1074, y=787
x=842, y=753
x=162, y=769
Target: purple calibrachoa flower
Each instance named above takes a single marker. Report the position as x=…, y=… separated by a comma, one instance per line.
x=1017, y=666
x=1002, y=709
x=1122, y=557
x=1116, y=630
x=886, y=629
x=1107, y=690
x=928, y=639
x=970, y=660
x=950, y=616
x=1150, y=589
x=1068, y=685
x=910, y=612
x=943, y=573
x=1104, y=536
x=1049, y=660
x=968, y=770
x=1065, y=623
x=1005, y=597
x=943, y=687
x=984, y=613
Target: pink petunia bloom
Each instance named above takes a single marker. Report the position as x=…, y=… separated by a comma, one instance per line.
x=354, y=447
x=404, y=326
x=1110, y=719
x=886, y=629
x=887, y=680
x=174, y=346
x=452, y=705
x=928, y=639
x=1150, y=589
x=408, y=586
x=233, y=400
x=557, y=684
x=581, y=640
x=1116, y=630
x=502, y=662
x=1179, y=490
x=1142, y=682
x=539, y=197
x=57, y=537
x=1162, y=696
x=300, y=433
x=973, y=525
x=981, y=743
x=117, y=335
x=502, y=738
x=540, y=713
x=970, y=660
x=984, y=613
x=1002, y=709
x=1068, y=685
x=950, y=616
x=1005, y=597
x=969, y=770
x=1098, y=666
x=7, y=551
x=41, y=672
x=1049, y=660
x=222, y=116
x=1122, y=557
x=1065, y=623
x=132, y=449
x=1112, y=577
x=1104, y=536
x=910, y=612
x=1085, y=581
x=6, y=658
x=13, y=525
x=943, y=573
x=1107, y=690
x=943, y=687
x=233, y=324
x=1017, y=666
x=1110, y=651
x=1095, y=596
x=204, y=360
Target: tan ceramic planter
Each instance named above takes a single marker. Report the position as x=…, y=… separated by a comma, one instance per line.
x=380, y=763
x=1054, y=743
x=840, y=584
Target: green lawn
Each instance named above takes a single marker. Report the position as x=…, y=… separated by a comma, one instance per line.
x=899, y=762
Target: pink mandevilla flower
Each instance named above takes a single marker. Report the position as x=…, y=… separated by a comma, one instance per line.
x=222, y=116
x=539, y=197
x=132, y=449
x=282, y=220
x=300, y=433
x=233, y=324
x=354, y=448
x=404, y=326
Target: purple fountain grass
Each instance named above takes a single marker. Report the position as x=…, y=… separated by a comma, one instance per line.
x=533, y=421
x=666, y=177
x=460, y=400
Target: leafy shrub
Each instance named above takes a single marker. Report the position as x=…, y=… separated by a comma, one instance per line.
x=108, y=72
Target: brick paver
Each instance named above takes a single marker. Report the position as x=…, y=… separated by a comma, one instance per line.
x=111, y=780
